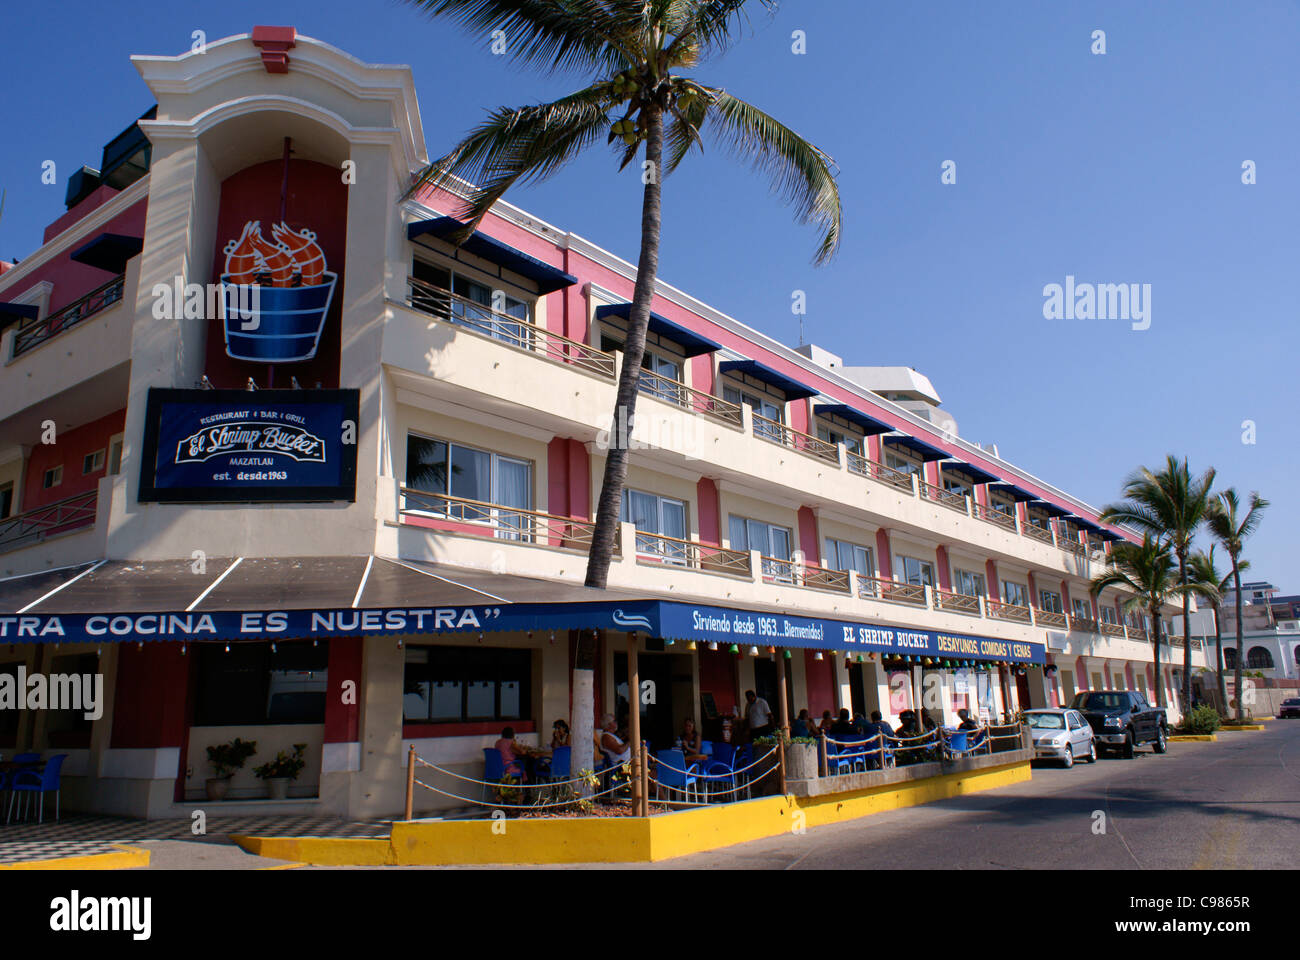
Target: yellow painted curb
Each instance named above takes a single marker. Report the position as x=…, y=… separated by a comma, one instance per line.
x=1194, y=738
x=622, y=839
x=123, y=858
x=1242, y=727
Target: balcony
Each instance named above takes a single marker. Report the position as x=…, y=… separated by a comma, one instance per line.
x=690, y=399
x=1074, y=547
x=878, y=471
x=1084, y=625
x=478, y=518
x=1008, y=611
x=1035, y=532
x=956, y=603
x=657, y=548
x=1050, y=618
x=29, y=336
x=483, y=320
x=953, y=501
x=52, y=520
x=1005, y=520
x=876, y=588
x=1112, y=629
x=788, y=437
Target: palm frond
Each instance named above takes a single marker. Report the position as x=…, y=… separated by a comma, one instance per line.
x=800, y=172
x=711, y=26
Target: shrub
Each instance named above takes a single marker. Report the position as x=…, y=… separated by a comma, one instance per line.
x=1202, y=720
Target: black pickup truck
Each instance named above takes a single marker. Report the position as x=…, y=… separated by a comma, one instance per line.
x=1122, y=719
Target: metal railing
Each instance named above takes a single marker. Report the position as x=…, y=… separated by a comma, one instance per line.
x=656, y=547
x=1051, y=618
x=1112, y=629
x=794, y=439
x=688, y=398
x=999, y=610
x=824, y=578
x=878, y=588
x=33, y=334
x=1072, y=546
x=956, y=603
x=993, y=515
x=41, y=523
x=482, y=319
x=878, y=471
x=1084, y=624
x=500, y=521
x=1035, y=532
x=954, y=501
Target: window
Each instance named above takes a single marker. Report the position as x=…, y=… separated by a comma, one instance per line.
x=656, y=515
x=1229, y=658
x=917, y=572
x=9, y=718
x=667, y=379
x=457, y=473
x=475, y=305
x=1082, y=609
x=901, y=463
x=92, y=462
x=955, y=485
x=6, y=499
x=1259, y=658
x=849, y=556
x=1005, y=507
x=1049, y=601
x=762, y=406
x=71, y=728
x=254, y=684
x=1016, y=594
x=53, y=477
x=970, y=584
x=771, y=541
x=115, y=457
x=1108, y=614
x=852, y=442
x=466, y=684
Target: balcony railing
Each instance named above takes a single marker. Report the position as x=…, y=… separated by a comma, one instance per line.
x=1084, y=625
x=1072, y=546
x=696, y=401
x=1050, y=618
x=1008, y=611
x=954, y=501
x=956, y=603
x=878, y=471
x=1112, y=629
x=877, y=588
x=1035, y=532
x=482, y=319
x=654, y=547
x=789, y=437
x=63, y=516
x=499, y=521
x=823, y=578
x=32, y=335
x=1138, y=633
x=993, y=515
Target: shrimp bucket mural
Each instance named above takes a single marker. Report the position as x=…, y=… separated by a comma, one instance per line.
x=293, y=294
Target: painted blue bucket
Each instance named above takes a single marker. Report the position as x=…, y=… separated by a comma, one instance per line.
x=285, y=328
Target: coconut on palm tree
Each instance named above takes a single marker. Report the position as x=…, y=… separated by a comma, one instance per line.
x=633, y=55
x=1170, y=505
x=1202, y=569
x=1147, y=570
x=1232, y=530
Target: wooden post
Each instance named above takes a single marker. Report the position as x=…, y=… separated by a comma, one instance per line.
x=634, y=722
x=784, y=730
x=645, y=779
x=410, y=782
x=821, y=740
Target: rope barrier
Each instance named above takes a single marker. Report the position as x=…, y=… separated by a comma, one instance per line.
x=490, y=783
x=669, y=766
x=517, y=806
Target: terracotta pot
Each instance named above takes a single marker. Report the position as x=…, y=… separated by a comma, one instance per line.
x=217, y=787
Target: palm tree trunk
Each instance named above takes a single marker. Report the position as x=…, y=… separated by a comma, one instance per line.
x=611, y=489
x=1218, y=662
x=1187, y=636
x=1236, y=671
x=1155, y=642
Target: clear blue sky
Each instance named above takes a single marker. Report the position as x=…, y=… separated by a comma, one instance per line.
x=1117, y=168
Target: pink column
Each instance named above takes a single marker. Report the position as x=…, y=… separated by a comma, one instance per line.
x=991, y=575
x=706, y=494
x=883, y=556
x=941, y=561
x=808, y=541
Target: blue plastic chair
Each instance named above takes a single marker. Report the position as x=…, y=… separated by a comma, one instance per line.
x=956, y=742
x=557, y=768
x=673, y=775
x=742, y=758
x=494, y=768
x=706, y=747
x=40, y=783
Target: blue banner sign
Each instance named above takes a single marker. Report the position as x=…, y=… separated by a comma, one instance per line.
x=654, y=618
x=234, y=446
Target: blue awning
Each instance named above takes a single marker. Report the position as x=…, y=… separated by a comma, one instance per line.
x=970, y=471
x=1051, y=509
x=547, y=277
x=793, y=389
x=108, y=251
x=870, y=425
x=1018, y=494
x=691, y=342
x=1112, y=536
x=11, y=313
x=1086, y=524
x=917, y=448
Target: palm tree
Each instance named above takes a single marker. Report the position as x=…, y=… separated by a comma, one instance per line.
x=1201, y=568
x=1146, y=569
x=1225, y=527
x=636, y=50
x=1172, y=505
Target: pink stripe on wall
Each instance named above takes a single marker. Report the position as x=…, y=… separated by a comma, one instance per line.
x=941, y=561
x=799, y=415
x=883, y=557
x=991, y=575
x=706, y=494
x=702, y=373
x=557, y=477
x=1081, y=674
x=808, y=542
x=579, y=480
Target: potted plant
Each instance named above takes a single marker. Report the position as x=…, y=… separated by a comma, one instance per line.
x=226, y=758
x=279, y=772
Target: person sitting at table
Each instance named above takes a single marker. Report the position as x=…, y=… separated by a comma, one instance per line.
x=826, y=722
x=692, y=745
x=843, y=727
x=966, y=722
x=616, y=750
x=801, y=726
x=559, y=734
x=512, y=754
x=927, y=720
x=907, y=725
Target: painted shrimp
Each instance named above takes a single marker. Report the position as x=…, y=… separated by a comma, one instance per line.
x=301, y=246
x=274, y=259
x=242, y=259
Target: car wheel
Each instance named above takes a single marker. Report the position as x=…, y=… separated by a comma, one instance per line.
x=1092, y=751
x=1160, y=746
x=1069, y=756
x=1127, y=750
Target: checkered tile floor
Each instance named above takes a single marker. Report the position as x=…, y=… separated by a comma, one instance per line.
x=78, y=835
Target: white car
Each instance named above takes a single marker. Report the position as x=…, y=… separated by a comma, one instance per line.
x=1061, y=734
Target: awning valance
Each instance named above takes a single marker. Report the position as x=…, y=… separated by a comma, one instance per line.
x=1018, y=494
x=968, y=470
x=547, y=277
x=793, y=389
x=691, y=342
x=108, y=251
x=917, y=448
x=870, y=425
x=1051, y=509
